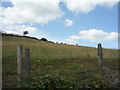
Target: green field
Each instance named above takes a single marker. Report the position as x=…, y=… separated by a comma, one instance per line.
x=72, y=62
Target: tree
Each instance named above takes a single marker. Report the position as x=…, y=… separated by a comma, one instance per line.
x=25, y=32
x=43, y=39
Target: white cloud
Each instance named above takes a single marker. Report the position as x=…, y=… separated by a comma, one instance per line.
x=5, y=0
x=95, y=35
x=85, y=6
x=11, y=32
x=1, y=11
x=68, y=22
x=28, y=28
x=74, y=37
x=70, y=40
x=17, y=28
x=29, y=11
x=98, y=35
x=33, y=11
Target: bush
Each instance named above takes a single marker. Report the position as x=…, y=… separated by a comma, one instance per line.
x=50, y=42
x=49, y=82
x=25, y=32
x=43, y=39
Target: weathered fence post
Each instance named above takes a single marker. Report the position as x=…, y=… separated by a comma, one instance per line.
x=19, y=61
x=100, y=57
x=27, y=62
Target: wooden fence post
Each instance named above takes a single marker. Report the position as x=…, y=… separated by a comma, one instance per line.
x=27, y=62
x=19, y=61
x=100, y=57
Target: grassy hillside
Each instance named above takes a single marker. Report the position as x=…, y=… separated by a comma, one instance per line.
x=72, y=62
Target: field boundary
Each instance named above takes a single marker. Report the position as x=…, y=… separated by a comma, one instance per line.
x=111, y=76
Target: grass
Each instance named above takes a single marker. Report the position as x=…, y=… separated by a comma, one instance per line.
x=69, y=61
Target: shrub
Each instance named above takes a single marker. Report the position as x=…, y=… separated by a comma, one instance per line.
x=25, y=32
x=49, y=82
x=43, y=39
x=51, y=42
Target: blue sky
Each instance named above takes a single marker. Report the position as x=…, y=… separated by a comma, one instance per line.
x=70, y=23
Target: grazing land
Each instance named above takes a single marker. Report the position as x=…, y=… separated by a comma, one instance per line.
x=72, y=62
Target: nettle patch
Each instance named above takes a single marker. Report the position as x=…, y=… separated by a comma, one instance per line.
x=50, y=82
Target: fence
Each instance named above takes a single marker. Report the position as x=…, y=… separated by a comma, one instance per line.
x=111, y=76
x=23, y=62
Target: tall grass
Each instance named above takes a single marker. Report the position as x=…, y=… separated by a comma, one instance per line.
x=72, y=62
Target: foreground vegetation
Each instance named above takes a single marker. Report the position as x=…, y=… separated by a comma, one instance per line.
x=55, y=65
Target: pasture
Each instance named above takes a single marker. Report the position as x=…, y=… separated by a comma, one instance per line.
x=78, y=63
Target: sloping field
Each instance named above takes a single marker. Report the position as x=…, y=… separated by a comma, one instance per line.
x=72, y=62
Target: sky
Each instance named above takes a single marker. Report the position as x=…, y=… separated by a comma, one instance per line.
x=82, y=22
